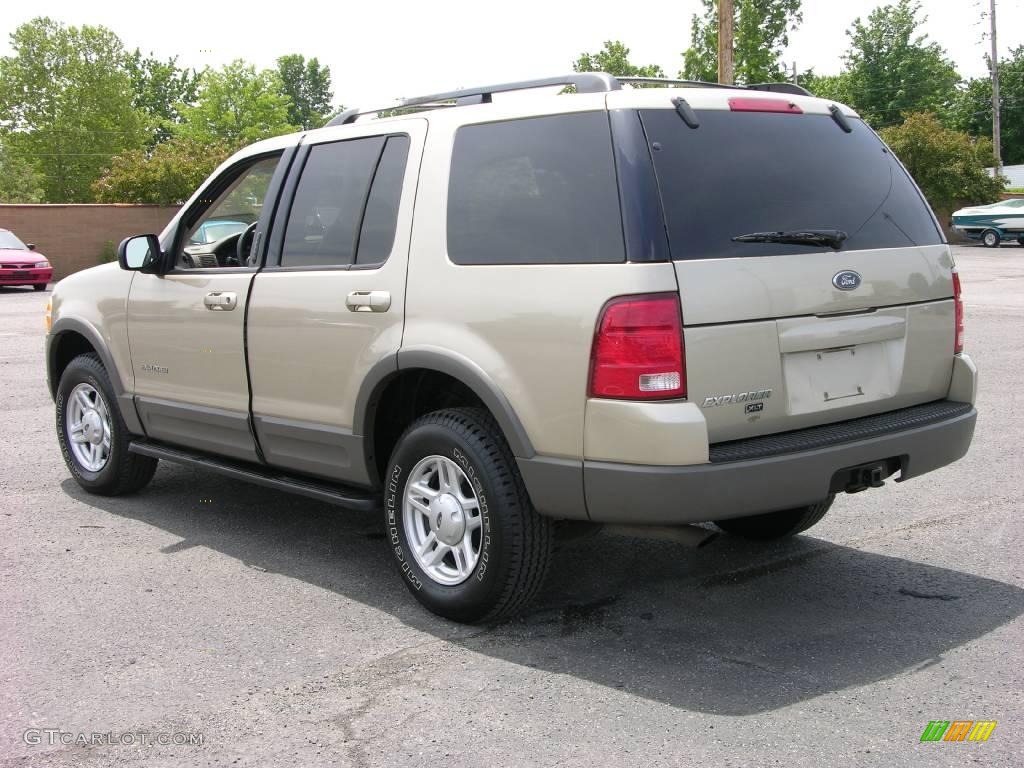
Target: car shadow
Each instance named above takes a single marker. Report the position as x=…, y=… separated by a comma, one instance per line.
x=734, y=628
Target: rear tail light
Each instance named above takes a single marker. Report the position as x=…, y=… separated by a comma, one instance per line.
x=958, y=311
x=638, y=349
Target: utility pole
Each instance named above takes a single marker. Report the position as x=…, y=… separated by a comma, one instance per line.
x=994, y=67
x=794, y=73
x=726, y=71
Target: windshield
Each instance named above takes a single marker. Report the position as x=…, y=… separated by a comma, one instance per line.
x=8, y=240
x=756, y=172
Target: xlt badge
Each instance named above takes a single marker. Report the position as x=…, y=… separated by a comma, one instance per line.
x=742, y=397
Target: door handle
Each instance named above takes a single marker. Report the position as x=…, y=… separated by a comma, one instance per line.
x=221, y=301
x=368, y=301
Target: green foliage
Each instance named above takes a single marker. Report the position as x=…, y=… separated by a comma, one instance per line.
x=613, y=58
x=236, y=106
x=107, y=254
x=20, y=182
x=158, y=87
x=948, y=165
x=892, y=70
x=166, y=175
x=834, y=87
x=66, y=105
x=760, y=34
x=971, y=108
x=308, y=86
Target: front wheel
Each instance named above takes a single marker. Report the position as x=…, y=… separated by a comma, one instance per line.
x=92, y=435
x=990, y=238
x=39, y=286
x=777, y=525
x=466, y=539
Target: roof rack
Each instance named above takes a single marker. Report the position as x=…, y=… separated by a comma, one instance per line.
x=583, y=82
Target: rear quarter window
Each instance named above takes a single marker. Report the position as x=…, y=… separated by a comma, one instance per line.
x=744, y=172
x=535, y=191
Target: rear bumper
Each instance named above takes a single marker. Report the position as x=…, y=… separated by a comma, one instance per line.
x=747, y=477
x=25, y=276
x=745, y=481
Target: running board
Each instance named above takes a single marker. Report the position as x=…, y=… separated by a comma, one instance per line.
x=350, y=498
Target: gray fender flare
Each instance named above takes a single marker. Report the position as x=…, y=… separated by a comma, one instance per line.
x=454, y=365
x=125, y=400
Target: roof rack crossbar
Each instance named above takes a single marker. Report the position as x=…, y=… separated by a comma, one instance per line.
x=583, y=82
x=670, y=81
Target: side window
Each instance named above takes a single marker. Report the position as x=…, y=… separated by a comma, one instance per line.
x=535, y=191
x=346, y=203
x=377, y=234
x=210, y=239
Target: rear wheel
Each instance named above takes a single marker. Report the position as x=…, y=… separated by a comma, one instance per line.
x=39, y=286
x=92, y=435
x=777, y=525
x=464, y=535
x=990, y=238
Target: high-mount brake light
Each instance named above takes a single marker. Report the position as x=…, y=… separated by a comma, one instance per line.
x=743, y=104
x=638, y=351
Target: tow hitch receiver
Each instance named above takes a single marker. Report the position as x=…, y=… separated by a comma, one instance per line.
x=864, y=476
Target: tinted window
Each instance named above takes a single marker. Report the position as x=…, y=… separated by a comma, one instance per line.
x=378, y=230
x=328, y=207
x=759, y=172
x=534, y=191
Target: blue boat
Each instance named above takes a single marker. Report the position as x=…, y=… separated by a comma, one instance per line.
x=992, y=223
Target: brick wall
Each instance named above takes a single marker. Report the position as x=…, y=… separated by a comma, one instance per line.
x=73, y=237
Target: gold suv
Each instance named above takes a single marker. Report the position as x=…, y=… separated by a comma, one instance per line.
x=483, y=314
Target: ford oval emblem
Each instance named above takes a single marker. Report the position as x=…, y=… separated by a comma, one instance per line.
x=846, y=280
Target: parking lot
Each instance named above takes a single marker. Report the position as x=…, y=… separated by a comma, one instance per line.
x=276, y=628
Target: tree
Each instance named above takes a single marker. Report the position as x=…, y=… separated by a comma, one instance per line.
x=971, y=107
x=892, y=70
x=158, y=88
x=167, y=175
x=236, y=106
x=613, y=58
x=308, y=86
x=761, y=34
x=66, y=105
x=949, y=166
x=19, y=181
x=834, y=87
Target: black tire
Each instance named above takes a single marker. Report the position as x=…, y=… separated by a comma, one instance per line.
x=39, y=286
x=123, y=472
x=776, y=525
x=990, y=238
x=515, y=543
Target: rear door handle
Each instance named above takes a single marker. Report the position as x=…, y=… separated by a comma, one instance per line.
x=368, y=301
x=221, y=301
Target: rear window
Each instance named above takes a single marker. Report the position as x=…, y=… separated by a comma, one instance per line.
x=744, y=172
x=535, y=191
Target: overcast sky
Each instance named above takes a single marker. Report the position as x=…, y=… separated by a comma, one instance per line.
x=378, y=51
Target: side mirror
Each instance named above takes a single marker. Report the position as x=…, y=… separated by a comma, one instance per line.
x=30, y=246
x=139, y=252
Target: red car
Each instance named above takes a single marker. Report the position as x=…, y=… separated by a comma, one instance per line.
x=20, y=264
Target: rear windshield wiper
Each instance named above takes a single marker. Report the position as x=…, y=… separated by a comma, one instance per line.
x=833, y=238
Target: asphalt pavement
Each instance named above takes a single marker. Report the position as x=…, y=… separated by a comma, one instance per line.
x=275, y=630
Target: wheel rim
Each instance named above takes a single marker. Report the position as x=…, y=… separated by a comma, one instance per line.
x=442, y=519
x=990, y=239
x=88, y=427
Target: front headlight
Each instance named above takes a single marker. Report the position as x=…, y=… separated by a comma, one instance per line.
x=42, y=265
